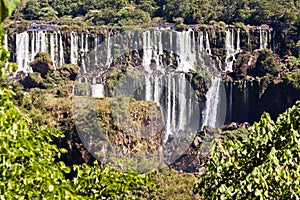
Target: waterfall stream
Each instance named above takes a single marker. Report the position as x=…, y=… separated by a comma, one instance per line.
x=5, y=42
x=213, y=98
x=188, y=50
x=22, y=41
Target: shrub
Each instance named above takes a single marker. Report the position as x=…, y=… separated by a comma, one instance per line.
x=264, y=165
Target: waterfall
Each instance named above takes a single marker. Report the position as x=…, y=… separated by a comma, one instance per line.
x=74, y=48
x=148, y=85
x=147, y=51
x=33, y=45
x=41, y=41
x=182, y=102
x=263, y=39
x=109, y=56
x=230, y=49
x=201, y=41
x=5, y=42
x=208, y=50
x=169, y=111
x=83, y=51
x=147, y=56
x=97, y=90
x=210, y=112
x=61, y=50
x=22, y=48
x=52, y=49
x=157, y=89
x=185, y=48
x=238, y=42
x=174, y=103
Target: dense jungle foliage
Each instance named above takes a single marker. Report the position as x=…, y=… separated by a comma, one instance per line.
x=130, y=12
x=259, y=162
x=263, y=164
x=28, y=165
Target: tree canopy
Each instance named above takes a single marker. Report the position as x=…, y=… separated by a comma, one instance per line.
x=203, y=11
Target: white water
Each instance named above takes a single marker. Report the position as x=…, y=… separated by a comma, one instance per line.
x=231, y=51
x=52, y=49
x=83, y=51
x=74, y=48
x=210, y=112
x=5, y=42
x=238, y=41
x=169, y=111
x=22, y=47
x=185, y=49
x=176, y=101
x=201, y=41
x=97, y=90
x=208, y=50
x=109, y=54
x=182, y=102
x=263, y=39
x=61, y=50
x=147, y=51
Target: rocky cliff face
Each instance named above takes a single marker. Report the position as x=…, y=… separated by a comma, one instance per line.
x=177, y=71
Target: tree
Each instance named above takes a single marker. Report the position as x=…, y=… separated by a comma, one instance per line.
x=28, y=167
x=263, y=165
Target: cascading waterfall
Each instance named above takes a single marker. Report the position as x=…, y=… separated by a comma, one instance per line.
x=201, y=41
x=61, y=50
x=147, y=56
x=28, y=44
x=238, y=41
x=74, y=48
x=230, y=49
x=109, y=56
x=169, y=111
x=83, y=50
x=210, y=112
x=184, y=48
x=97, y=89
x=208, y=50
x=177, y=99
x=182, y=102
x=52, y=48
x=33, y=45
x=22, y=48
x=52, y=42
x=5, y=42
x=263, y=39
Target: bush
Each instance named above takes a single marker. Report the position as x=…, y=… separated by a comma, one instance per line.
x=264, y=64
x=264, y=165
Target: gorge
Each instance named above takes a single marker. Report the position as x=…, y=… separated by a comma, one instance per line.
x=213, y=49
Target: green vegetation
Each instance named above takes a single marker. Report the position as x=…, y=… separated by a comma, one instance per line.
x=28, y=157
x=42, y=156
x=133, y=12
x=264, y=165
x=264, y=64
